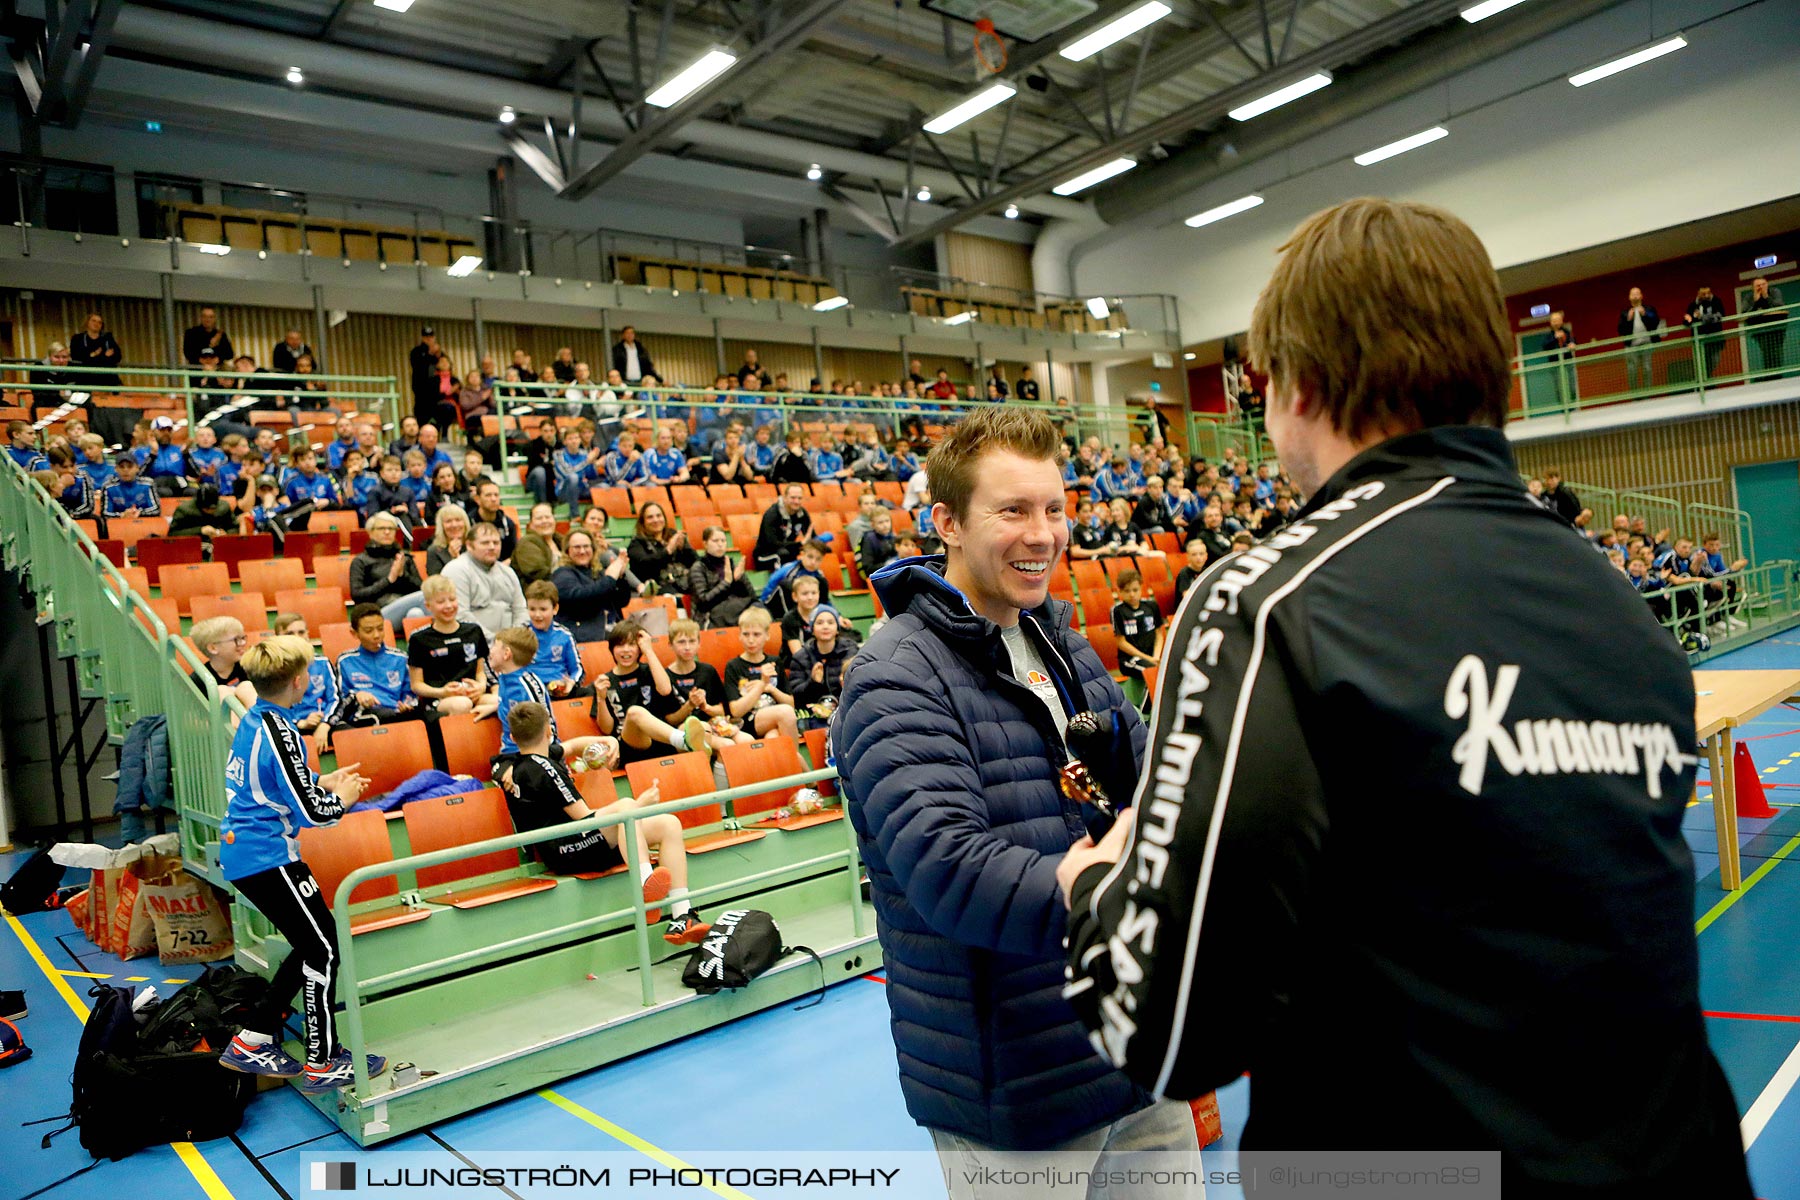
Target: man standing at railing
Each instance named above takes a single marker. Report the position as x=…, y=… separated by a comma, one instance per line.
x=422, y=362
x=1771, y=328
x=95, y=346
x=206, y=336
x=630, y=357
x=1640, y=323
x=1705, y=318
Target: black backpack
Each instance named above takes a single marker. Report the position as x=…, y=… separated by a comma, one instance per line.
x=127, y=1096
x=211, y=1009
x=744, y=943
x=32, y=887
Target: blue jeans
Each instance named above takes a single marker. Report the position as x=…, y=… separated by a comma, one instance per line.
x=410, y=605
x=537, y=482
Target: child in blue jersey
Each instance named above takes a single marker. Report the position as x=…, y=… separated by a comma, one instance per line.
x=373, y=678
x=511, y=655
x=313, y=713
x=21, y=443
x=357, y=485
x=624, y=466
x=826, y=463
x=416, y=483
x=73, y=490
x=168, y=462
x=204, y=458
x=780, y=583
x=905, y=463
x=93, y=462
x=575, y=469
x=341, y=445
x=128, y=496
x=760, y=454
x=270, y=795
x=558, y=662
x=308, y=484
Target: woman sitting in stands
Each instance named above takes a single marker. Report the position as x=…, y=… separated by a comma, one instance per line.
x=537, y=555
x=656, y=548
x=452, y=527
x=385, y=574
x=719, y=586
x=590, y=597
x=446, y=488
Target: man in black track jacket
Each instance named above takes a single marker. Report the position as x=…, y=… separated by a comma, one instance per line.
x=1407, y=847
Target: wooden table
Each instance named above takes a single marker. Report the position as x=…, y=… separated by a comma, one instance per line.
x=1723, y=701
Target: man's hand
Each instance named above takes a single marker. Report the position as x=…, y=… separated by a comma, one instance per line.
x=1085, y=853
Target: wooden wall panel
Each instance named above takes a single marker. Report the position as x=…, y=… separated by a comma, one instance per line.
x=1689, y=461
x=988, y=260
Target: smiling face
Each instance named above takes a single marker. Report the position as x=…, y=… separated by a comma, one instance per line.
x=443, y=606
x=1000, y=552
x=654, y=520
x=580, y=549
x=543, y=519
x=371, y=632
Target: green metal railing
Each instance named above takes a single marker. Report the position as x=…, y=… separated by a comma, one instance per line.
x=1749, y=348
x=1765, y=600
x=242, y=394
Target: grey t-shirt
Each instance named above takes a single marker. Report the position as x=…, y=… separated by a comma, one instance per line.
x=1029, y=669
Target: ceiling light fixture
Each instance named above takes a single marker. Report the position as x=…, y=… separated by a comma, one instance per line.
x=1369, y=158
x=211, y=248
x=1097, y=306
x=815, y=172
x=508, y=116
x=971, y=108
x=1115, y=31
x=1637, y=59
x=1281, y=96
x=1012, y=212
x=464, y=265
x=1242, y=204
x=690, y=79
x=1099, y=174
x=394, y=5
x=831, y=302
x=1487, y=8
x=1190, y=356
x=923, y=195
x=295, y=76
x=961, y=318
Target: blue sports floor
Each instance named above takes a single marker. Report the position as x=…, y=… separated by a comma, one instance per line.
x=824, y=1078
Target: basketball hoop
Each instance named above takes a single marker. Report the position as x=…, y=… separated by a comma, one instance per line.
x=990, y=48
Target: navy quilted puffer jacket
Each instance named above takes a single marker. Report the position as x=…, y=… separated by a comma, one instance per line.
x=948, y=767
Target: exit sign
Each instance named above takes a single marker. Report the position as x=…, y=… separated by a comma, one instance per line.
x=1540, y=310
x=1765, y=262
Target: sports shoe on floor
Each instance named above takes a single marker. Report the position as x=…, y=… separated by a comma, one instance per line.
x=337, y=1073
x=1737, y=622
x=12, y=1005
x=656, y=885
x=694, y=730
x=267, y=1059
x=686, y=930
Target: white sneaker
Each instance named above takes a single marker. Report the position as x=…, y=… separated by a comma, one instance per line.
x=1737, y=623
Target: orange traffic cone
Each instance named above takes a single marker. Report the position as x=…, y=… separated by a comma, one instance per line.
x=1751, y=802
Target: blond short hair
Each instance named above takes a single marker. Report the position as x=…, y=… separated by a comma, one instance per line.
x=520, y=641
x=755, y=617
x=283, y=620
x=683, y=627
x=214, y=630
x=435, y=586
x=275, y=662
x=1388, y=316
x=954, y=463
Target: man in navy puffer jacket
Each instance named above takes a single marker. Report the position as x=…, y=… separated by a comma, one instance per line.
x=948, y=741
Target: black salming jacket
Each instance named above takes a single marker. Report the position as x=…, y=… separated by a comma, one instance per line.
x=1408, y=845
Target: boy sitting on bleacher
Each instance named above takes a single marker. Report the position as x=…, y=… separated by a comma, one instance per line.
x=445, y=659
x=540, y=794
x=753, y=681
x=93, y=462
x=373, y=677
x=220, y=641
x=558, y=662
x=698, y=686
x=514, y=650
x=128, y=496
x=631, y=700
x=271, y=793
x=781, y=580
x=316, y=709
x=816, y=672
x=1137, y=625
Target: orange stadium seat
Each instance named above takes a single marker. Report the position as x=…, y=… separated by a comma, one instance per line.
x=445, y=822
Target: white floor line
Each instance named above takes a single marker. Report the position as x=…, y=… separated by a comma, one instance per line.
x=1752, y=1125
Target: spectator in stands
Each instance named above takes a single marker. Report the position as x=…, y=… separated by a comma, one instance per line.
x=73, y=490
x=308, y=488
x=422, y=362
x=386, y=575
x=1705, y=320
x=665, y=463
x=826, y=463
x=392, y=495
x=446, y=661
x=630, y=700
x=95, y=346
x=752, y=368
x=556, y=662
x=658, y=551
x=731, y=460
x=408, y=441
x=356, y=486
x=1192, y=569
x=271, y=791
x=435, y=454
x=866, y=504
x=1559, y=498
x=915, y=373
x=487, y=590
x=718, y=585
x=474, y=470
x=1115, y=481
x=1768, y=324
x=878, y=546
x=1676, y=566
x=128, y=496
x=1026, y=388
x=21, y=441
x=762, y=452
x=942, y=389
x=168, y=464
x=288, y=351
x=785, y=525
x=906, y=464
x=93, y=462
x=270, y=513
x=489, y=512
x=1122, y=533
x=206, y=336
x=521, y=362
x=446, y=488
x=452, y=523
x=204, y=513
x=472, y=400
x=753, y=682
x=997, y=382
x=591, y=598
x=630, y=357
x=791, y=465
x=804, y=594
x=372, y=677
x=563, y=365
x=1137, y=626
x=1639, y=322
x=312, y=392
x=577, y=469
x=1151, y=512
x=816, y=672
x=540, y=461
x=221, y=641
x=313, y=712
x=1559, y=337
x=1088, y=536
x=780, y=583
x=343, y=441
x=537, y=555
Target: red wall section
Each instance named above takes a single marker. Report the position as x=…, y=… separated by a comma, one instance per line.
x=1593, y=305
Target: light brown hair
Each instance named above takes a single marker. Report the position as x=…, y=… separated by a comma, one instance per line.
x=954, y=462
x=527, y=720
x=275, y=662
x=520, y=641
x=1388, y=316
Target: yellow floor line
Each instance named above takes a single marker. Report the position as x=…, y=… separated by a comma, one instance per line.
x=1722, y=907
x=633, y=1140
x=191, y=1158
x=82, y=975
